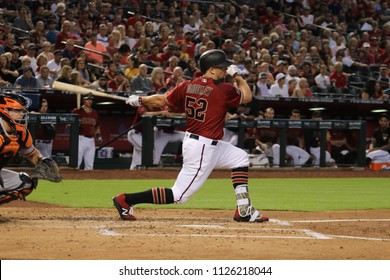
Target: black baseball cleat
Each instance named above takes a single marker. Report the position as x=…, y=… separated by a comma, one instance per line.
x=125, y=210
x=249, y=219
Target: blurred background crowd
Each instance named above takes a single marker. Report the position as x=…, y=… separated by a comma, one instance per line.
x=285, y=48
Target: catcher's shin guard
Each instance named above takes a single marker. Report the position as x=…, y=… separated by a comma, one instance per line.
x=25, y=188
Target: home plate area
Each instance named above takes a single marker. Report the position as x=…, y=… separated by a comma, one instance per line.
x=274, y=229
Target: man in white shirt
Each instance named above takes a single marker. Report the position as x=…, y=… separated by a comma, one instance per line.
x=291, y=74
x=262, y=88
x=102, y=35
x=279, y=89
x=306, y=18
x=322, y=79
x=55, y=64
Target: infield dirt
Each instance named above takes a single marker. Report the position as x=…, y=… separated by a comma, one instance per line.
x=40, y=231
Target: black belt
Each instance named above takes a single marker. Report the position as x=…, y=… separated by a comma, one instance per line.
x=196, y=137
x=44, y=141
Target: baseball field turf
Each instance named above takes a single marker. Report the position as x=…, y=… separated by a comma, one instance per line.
x=291, y=194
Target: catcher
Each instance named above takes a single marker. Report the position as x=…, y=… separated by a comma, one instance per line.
x=16, y=139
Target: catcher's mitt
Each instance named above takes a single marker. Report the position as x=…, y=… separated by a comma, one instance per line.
x=47, y=169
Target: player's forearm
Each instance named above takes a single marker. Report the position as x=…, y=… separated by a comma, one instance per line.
x=34, y=157
x=153, y=101
x=245, y=89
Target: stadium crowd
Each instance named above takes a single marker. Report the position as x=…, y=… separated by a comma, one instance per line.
x=285, y=48
x=288, y=48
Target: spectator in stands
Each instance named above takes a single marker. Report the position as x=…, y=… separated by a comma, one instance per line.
x=37, y=34
x=44, y=81
x=94, y=45
x=292, y=86
x=100, y=84
x=132, y=67
x=188, y=34
x=384, y=78
x=111, y=48
x=292, y=74
x=64, y=35
x=15, y=62
x=64, y=74
x=41, y=61
x=379, y=150
x=8, y=73
x=55, y=64
x=47, y=51
x=26, y=62
x=102, y=35
x=142, y=81
x=120, y=83
x=23, y=21
x=110, y=70
x=9, y=42
x=339, y=79
x=27, y=80
x=373, y=91
x=191, y=69
x=262, y=87
x=279, y=89
x=172, y=63
x=308, y=73
x=204, y=39
x=322, y=80
x=31, y=52
x=85, y=76
x=303, y=90
x=69, y=51
x=157, y=77
x=51, y=32
x=175, y=79
x=351, y=61
x=75, y=78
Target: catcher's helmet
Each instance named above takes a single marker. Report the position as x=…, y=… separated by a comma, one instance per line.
x=12, y=101
x=213, y=58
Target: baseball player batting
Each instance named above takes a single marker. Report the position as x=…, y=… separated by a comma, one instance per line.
x=205, y=101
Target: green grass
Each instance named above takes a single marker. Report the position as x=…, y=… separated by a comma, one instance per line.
x=267, y=194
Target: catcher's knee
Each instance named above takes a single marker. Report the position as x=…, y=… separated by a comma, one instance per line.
x=26, y=187
x=27, y=181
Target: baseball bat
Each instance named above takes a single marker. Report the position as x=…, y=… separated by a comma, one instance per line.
x=88, y=50
x=82, y=90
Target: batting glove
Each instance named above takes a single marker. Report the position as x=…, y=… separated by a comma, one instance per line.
x=134, y=100
x=233, y=70
x=99, y=138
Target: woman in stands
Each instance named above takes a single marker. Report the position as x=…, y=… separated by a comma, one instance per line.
x=65, y=74
x=373, y=90
x=303, y=90
x=157, y=77
x=8, y=74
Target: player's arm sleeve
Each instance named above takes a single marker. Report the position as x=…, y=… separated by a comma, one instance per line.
x=175, y=97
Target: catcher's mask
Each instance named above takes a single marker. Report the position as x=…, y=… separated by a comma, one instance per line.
x=13, y=109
